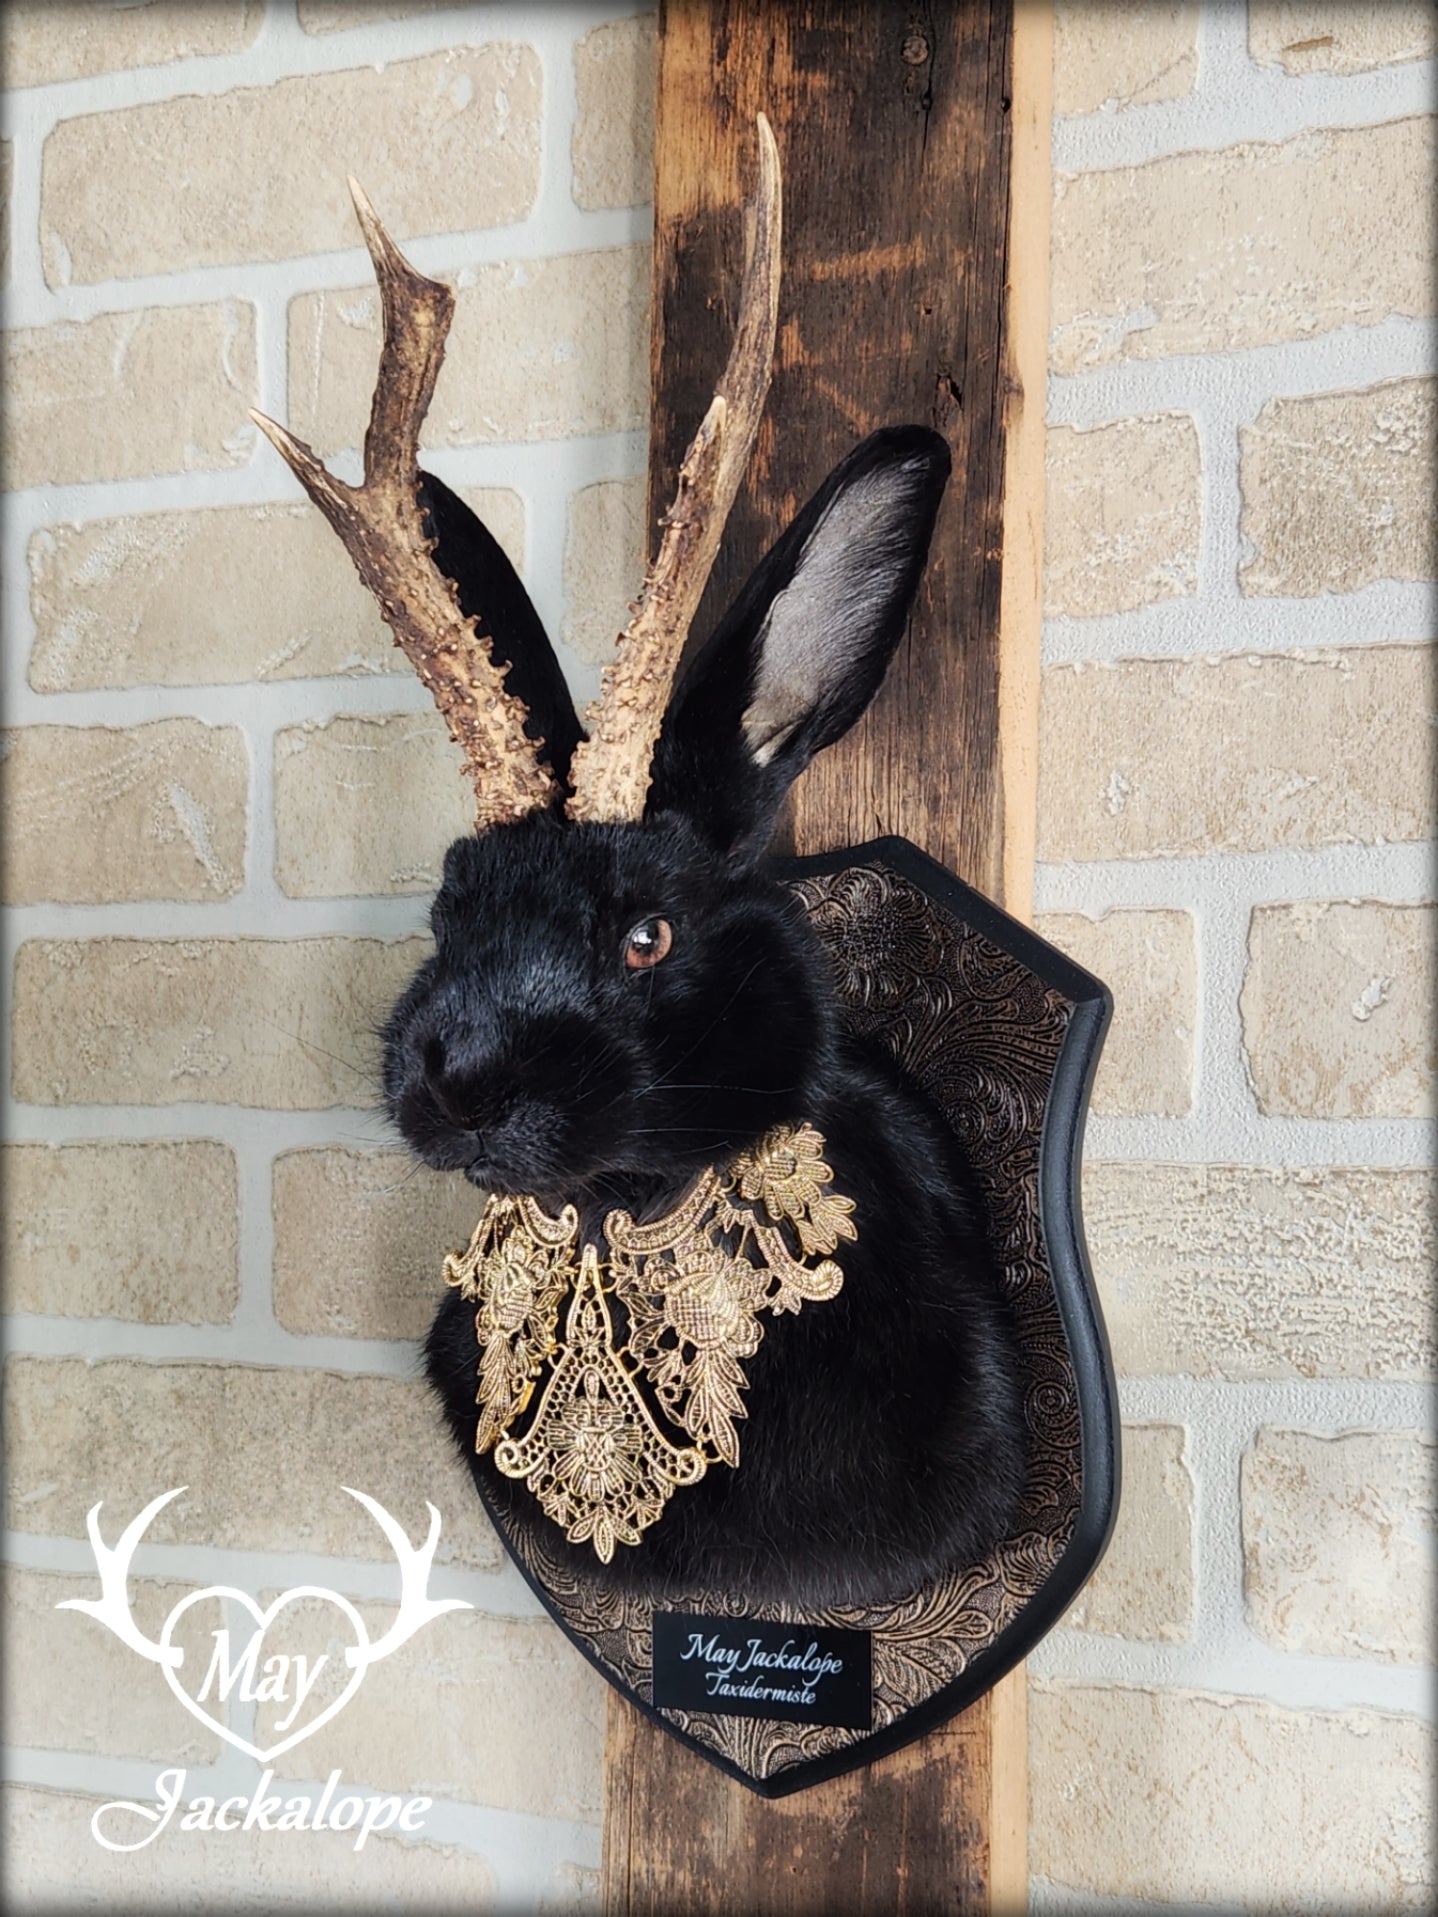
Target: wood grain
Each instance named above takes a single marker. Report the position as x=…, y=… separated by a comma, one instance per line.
x=893, y=126
x=901, y=128
x=906, y=1837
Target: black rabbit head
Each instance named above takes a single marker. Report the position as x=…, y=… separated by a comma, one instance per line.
x=610, y=1005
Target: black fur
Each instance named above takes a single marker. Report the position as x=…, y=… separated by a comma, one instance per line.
x=884, y=1437
x=490, y=590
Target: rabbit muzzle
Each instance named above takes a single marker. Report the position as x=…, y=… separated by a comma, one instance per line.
x=518, y=1105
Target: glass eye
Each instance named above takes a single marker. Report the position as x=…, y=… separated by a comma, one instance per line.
x=647, y=944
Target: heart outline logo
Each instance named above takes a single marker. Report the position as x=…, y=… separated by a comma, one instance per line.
x=263, y=1620
x=416, y=1609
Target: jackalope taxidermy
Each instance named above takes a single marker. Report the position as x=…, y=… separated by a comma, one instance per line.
x=709, y=1202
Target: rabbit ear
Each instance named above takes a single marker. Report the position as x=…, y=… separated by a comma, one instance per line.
x=489, y=589
x=804, y=647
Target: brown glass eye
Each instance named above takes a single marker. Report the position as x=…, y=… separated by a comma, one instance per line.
x=647, y=944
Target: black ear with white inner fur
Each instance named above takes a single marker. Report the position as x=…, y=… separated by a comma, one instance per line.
x=805, y=646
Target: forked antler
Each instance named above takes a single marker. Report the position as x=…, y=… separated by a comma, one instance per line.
x=611, y=768
x=112, y=1607
x=416, y=1606
x=382, y=528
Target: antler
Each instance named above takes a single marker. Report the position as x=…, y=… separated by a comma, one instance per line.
x=611, y=769
x=416, y=1606
x=383, y=531
x=112, y=1607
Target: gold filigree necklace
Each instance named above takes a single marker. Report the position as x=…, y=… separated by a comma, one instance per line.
x=693, y=1286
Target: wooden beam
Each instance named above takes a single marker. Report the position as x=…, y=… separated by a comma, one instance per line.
x=908, y=135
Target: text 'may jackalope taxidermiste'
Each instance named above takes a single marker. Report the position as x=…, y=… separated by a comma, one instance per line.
x=731, y=1321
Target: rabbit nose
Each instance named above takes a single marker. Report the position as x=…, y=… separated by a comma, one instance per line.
x=462, y=1094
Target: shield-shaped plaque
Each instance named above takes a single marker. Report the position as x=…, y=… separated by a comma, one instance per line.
x=1003, y=1033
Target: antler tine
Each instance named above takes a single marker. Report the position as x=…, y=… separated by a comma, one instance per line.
x=417, y=316
x=611, y=769
x=382, y=528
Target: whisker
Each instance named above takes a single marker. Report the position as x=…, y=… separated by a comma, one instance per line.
x=388, y=1191
x=313, y=1045
x=718, y=1019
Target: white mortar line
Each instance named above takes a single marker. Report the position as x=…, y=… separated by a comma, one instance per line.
x=1393, y=871
x=1236, y=100
x=252, y=1339
x=1236, y=1670
x=260, y=912
x=1244, y=1404
x=1233, y=384
x=254, y=1323
x=1209, y=623
x=349, y=1128
x=1403, y=1144
x=265, y=480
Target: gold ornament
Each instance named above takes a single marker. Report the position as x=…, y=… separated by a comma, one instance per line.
x=692, y=1287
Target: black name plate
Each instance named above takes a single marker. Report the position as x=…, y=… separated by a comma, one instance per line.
x=748, y=1667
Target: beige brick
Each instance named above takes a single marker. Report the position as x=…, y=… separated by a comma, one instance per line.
x=144, y=1232
x=258, y=173
x=1334, y=36
x=1339, y=1542
x=1144, y=1587
x=1123, y=518
x=1338, y=489
x=530, y=1738
x=367, y=803
x=613, y=148
x=604, y=559
x=221, y=596
x=267, y=1022
x=1149, y=962
x=360, y=1238
x=1189, y=1798
x=41, y=42
x=576, y=1893
x=1240, y=1271
x=541, y=349
x=71, y=1685
x=1108, y=56
x=159, y=390
x=53, y=1862
x=1318, y=748
x=94, y=814
x=334, y=16
x=264, y=1451
x=1337, y=1009
x=1242, y=246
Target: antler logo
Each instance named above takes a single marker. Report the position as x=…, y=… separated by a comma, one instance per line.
x=282, y=1678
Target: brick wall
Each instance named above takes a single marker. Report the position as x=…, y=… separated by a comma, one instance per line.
x=1236, y=783
x=225, y=805
x=226, y=800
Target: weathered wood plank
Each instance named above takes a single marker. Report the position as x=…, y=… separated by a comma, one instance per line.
x=893, y=124
x=905, y=1838
x=898, y=138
